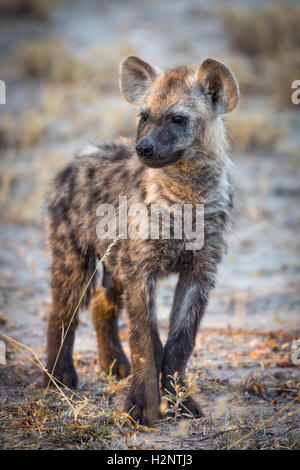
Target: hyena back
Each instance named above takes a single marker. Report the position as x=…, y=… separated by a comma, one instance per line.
x=179, y=156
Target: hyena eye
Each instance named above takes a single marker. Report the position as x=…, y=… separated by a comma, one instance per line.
x=144, y=116
x=179, y=119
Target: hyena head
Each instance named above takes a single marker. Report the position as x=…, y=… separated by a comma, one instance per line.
x=176, y=107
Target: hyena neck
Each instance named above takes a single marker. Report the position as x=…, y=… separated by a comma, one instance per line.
x=199, y=179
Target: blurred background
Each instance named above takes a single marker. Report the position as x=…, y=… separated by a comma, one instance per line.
x=60, y=59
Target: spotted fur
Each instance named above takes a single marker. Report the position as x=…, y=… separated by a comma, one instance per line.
x=189, y=165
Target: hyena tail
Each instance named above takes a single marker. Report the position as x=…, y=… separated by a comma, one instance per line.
x=73, y=267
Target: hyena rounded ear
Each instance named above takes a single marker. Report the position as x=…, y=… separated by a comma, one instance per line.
x=136, y=76
x=219, y=85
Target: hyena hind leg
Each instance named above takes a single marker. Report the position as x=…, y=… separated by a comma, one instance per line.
x=105, y=307
x=71, y=270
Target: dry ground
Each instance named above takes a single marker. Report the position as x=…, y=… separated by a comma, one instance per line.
x=60, y=66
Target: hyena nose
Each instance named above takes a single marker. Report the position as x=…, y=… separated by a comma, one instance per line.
x=144, y=148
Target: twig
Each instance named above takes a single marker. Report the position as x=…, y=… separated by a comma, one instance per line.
x=261, y=427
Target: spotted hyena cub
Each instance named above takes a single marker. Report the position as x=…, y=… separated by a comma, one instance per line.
x=179, y=158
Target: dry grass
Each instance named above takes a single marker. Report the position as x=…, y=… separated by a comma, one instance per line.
x=84, y=413
x=263, y=32
x=37, y=9
x=64, y=419
x=24, y=183
x=31, y=129
x=254, y=130
x=258, y=412
x=23, y=131
x=68, y=86
x=245, y=70
x=49, y=59
x=269, y=42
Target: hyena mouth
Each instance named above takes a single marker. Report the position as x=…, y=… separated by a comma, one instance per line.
x=159, y=161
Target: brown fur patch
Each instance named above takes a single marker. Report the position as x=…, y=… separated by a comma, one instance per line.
x=168, y=89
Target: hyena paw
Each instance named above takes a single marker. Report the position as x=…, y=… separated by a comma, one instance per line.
x=120, y=366
x=65, y=375
x=191, y=408
x=121, y=369
x=136, y=406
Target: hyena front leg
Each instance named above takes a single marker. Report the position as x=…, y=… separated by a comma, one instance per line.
x=71, y=270
x=190, y=300
x=105, y=306
x=143, y=399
